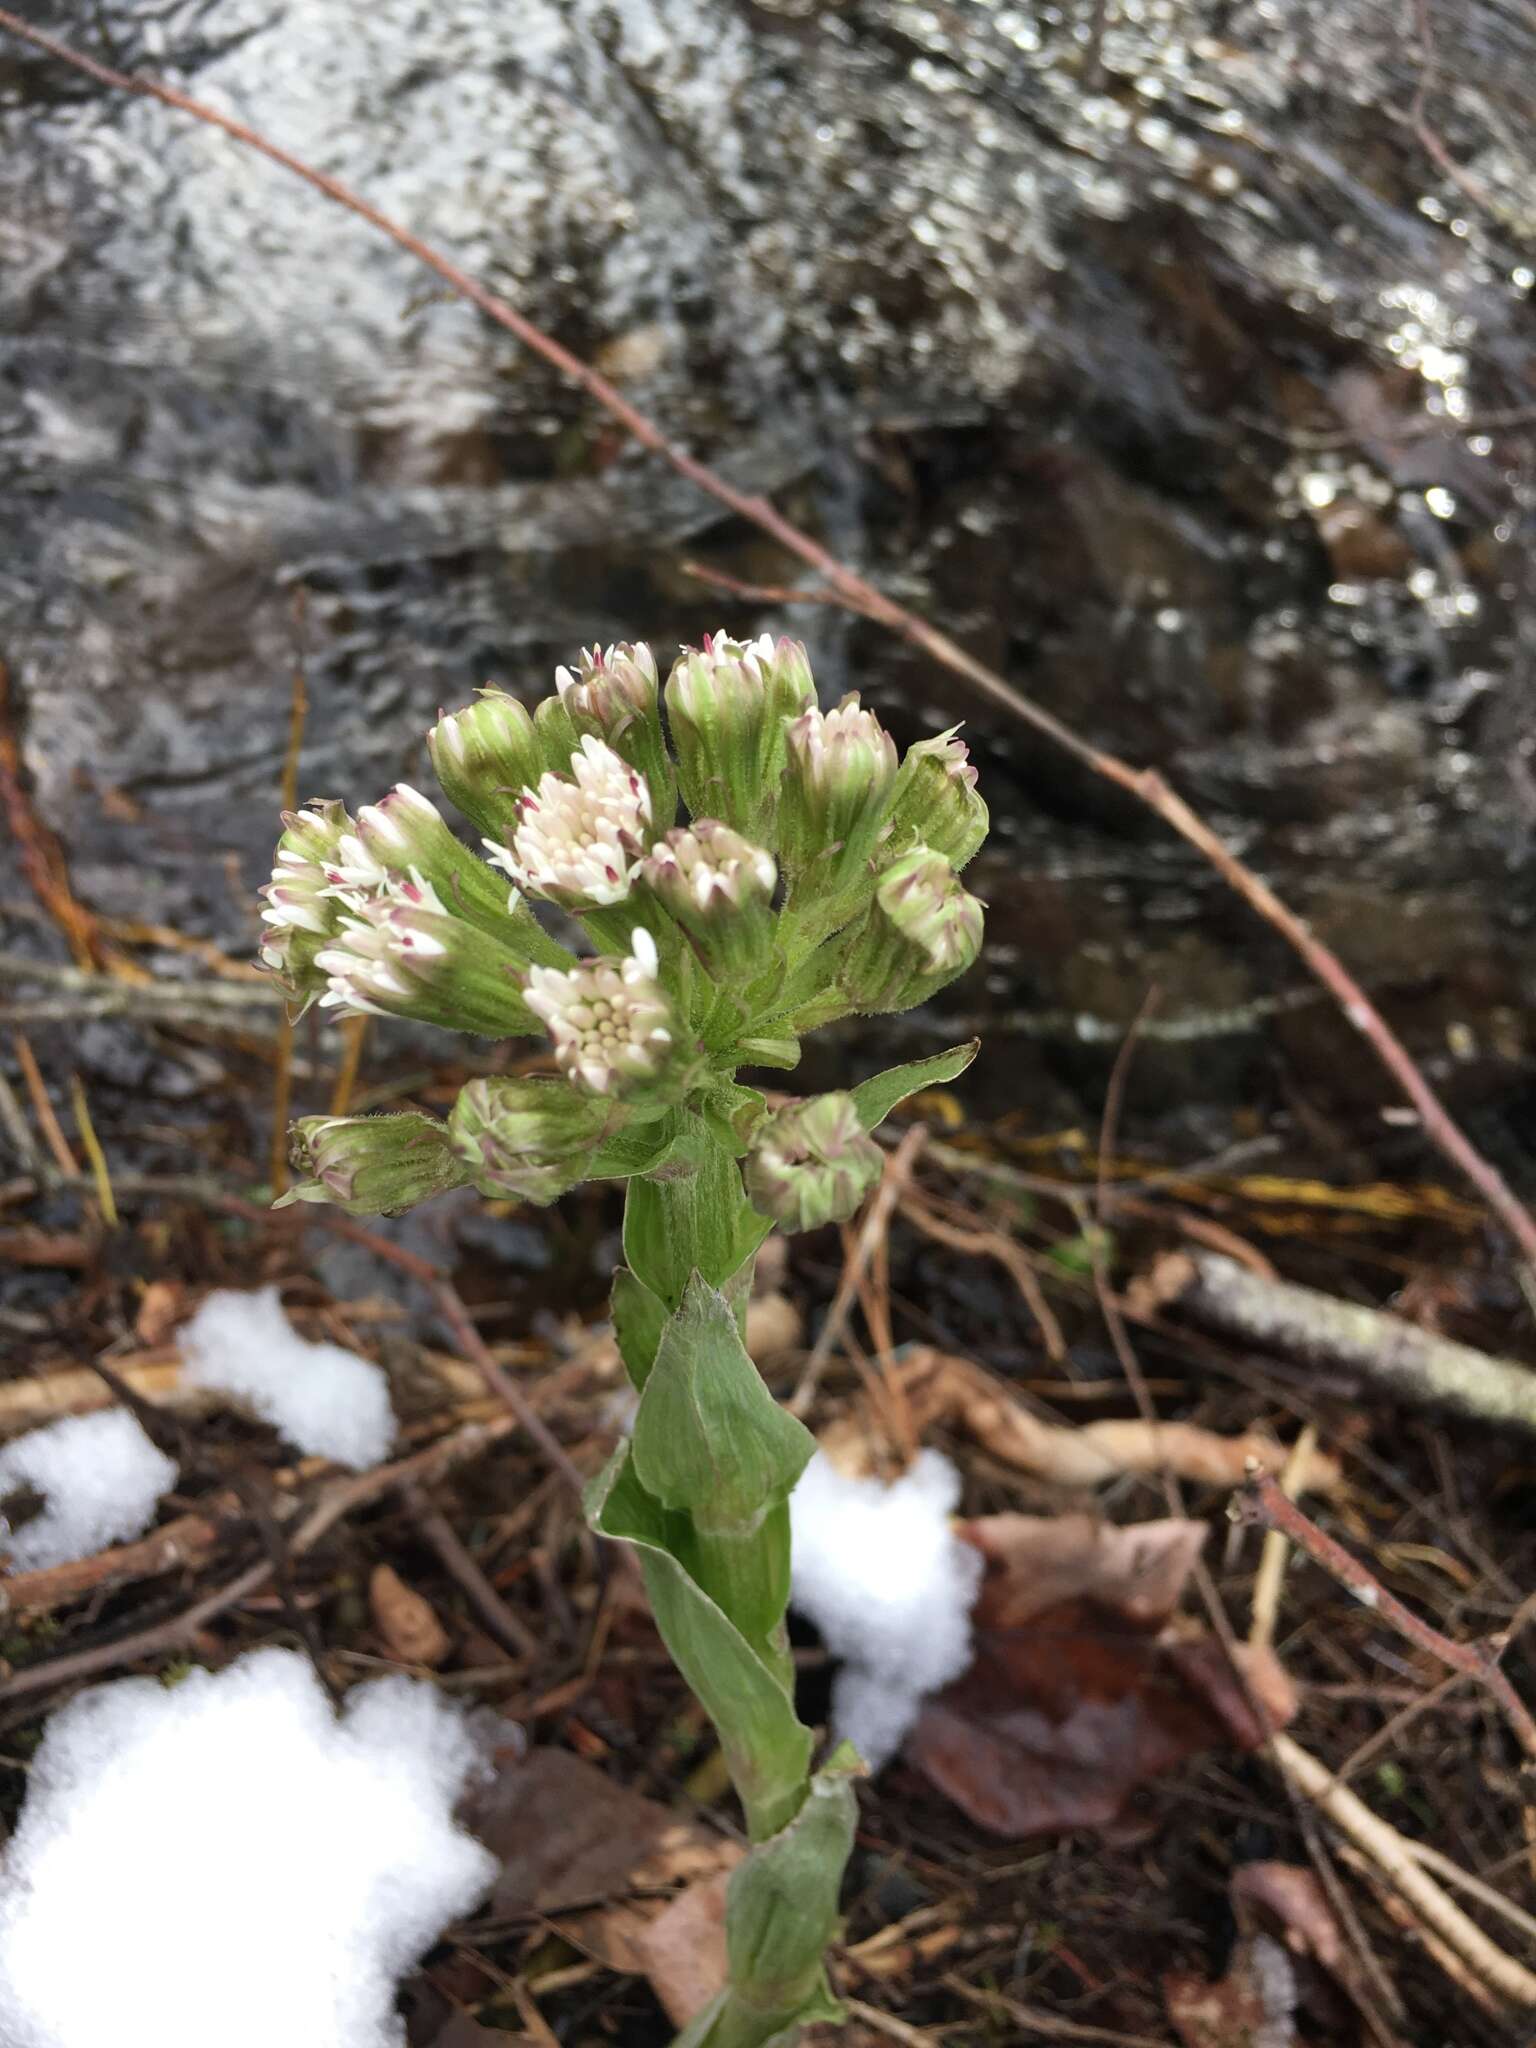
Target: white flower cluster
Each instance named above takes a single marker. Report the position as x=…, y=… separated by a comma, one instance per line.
x=580, y=838
x=824, y=742
x=609, y=1020
x=712, y=864
x=374, y=942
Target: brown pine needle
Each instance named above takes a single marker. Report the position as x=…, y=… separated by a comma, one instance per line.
x=354, y=1034
x=42, y=1108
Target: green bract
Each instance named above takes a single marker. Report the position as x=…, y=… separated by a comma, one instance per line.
x=815, y=877
x=371, y=1165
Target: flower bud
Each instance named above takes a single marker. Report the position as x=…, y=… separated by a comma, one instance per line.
x=935, y=803
x=613, y=1025
x=301, y=912
x=404, y=835
x=812, y=1162
x=727, y=703
x=485, y=756
x=558, y=737
x=371, y=1165
x=528, y=1139
x=839, y=775
x=402, y=953
x=719, y=888
x=613, y=696
x=580, y=837
x=922, y=930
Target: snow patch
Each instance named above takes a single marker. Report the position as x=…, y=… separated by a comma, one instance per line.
x=226, y=1860
x=327, y=1402
x=890, y=1586
x=100, y=1478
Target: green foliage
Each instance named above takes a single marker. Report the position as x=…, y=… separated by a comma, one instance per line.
x=879, y=1095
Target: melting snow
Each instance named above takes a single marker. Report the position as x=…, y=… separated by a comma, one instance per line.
x=226, y=1860
x=327, y=1402
x=99, y=1476
x=890, y=1586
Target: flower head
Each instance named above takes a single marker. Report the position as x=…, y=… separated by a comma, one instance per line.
x=371, y=1165
x=612, y=695
x=812, y=1162
x=580, y=837
x=401, y=952
x=727, y=702
x=300, y=910
x=608, y=687
x=529, y=1138
x=935, y=802
x=719, y=888
x=485, y=756
x=839, y=774
x=612, y=1023
x=922, y=930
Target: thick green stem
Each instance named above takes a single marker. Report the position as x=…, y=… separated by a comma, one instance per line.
x=702, y=1491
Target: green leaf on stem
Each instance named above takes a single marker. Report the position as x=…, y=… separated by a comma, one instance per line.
x=691, y=1215
x=640, y=1148
x=766, y=1748
x=878, y=1096
x=639, y=1317
x=709, y=1437
x=781, y=1914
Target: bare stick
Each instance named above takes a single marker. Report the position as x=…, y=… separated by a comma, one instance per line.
x=1263, y=1501
x=1270, y=1576
x=877, y=1221
x=339, y=1499
x=509, y=1629
x=1394, y=1856
x=1322, y=1330
x=1146, y=785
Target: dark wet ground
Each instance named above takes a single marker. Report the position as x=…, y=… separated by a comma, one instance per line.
x=1146, y=346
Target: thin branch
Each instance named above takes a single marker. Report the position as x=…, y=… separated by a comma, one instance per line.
x=1394, y=1856
x=340, y=1498
x=1146, y=785
x=877, y=1221
x=1263, y=1501
x=509, y=1629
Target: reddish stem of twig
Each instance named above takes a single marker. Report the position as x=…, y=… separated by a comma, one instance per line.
x=1146, y=785
x=1264, y=1502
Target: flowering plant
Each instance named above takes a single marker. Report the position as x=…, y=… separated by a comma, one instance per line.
x=816, y=877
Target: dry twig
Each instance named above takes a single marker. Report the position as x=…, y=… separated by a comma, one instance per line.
x=877, y=1221
x=1321, y=1330
x=1263, y=1500
x=1393, y=1855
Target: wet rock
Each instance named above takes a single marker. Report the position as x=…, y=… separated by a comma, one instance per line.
x=1144, y=345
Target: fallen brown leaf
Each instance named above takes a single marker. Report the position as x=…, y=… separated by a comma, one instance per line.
x=1079, y=1690
x=574, y=1843
x=1139, y=1569
x=1292, y=1896
x=683, y=1951
x=406, y=1619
